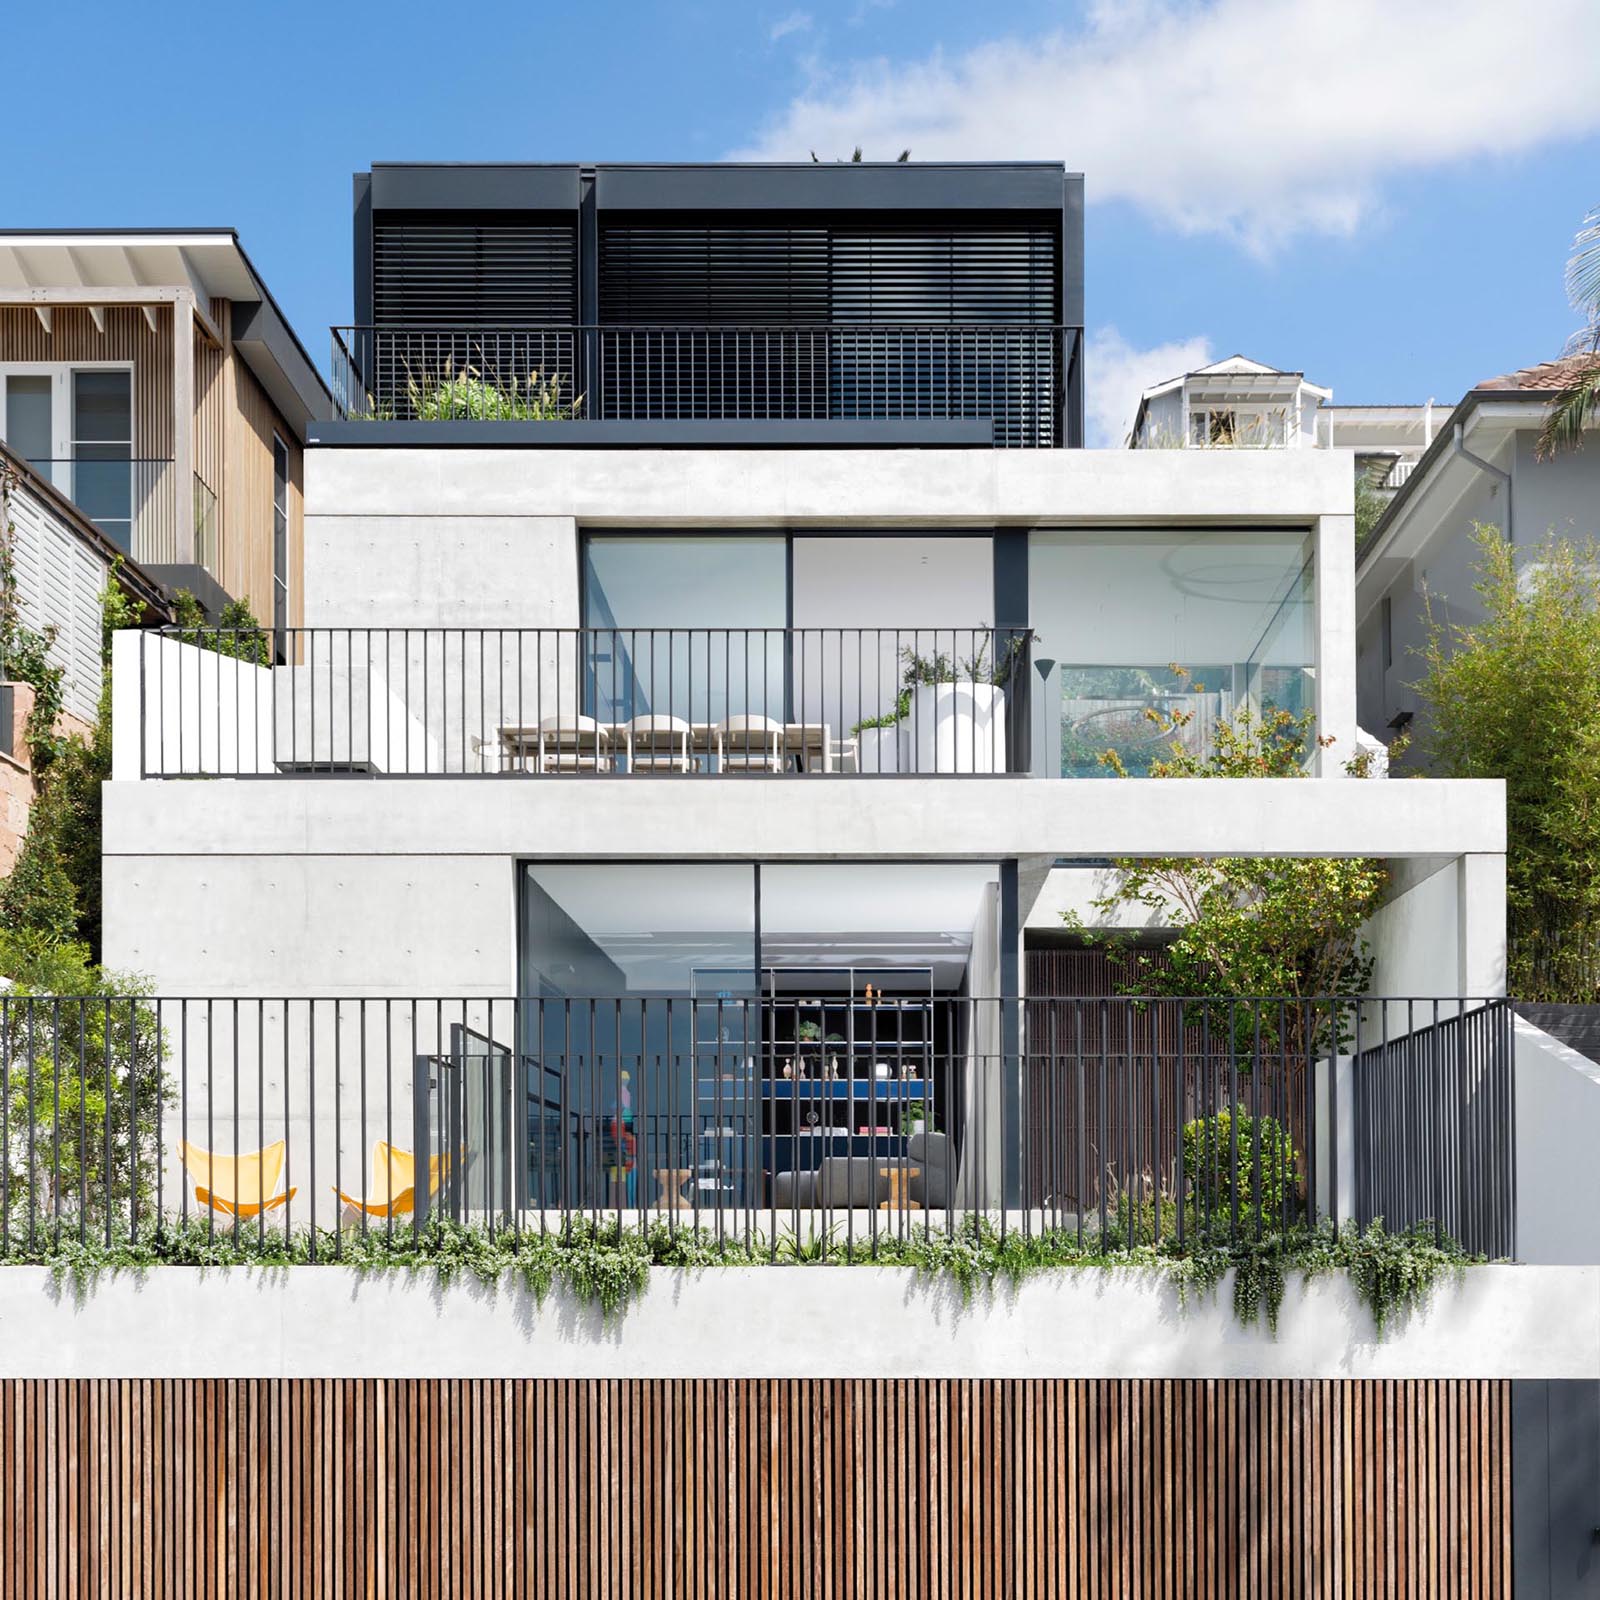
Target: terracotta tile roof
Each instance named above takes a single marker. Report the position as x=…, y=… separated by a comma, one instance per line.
x=1546, y=377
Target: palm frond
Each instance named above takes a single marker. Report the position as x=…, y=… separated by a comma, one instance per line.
x=1583, y=270
x=1570, y=411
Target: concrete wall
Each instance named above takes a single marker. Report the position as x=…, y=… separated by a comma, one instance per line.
x=489, y=538
x=1558, y=1135
x=314, y=1322
x=348, y=886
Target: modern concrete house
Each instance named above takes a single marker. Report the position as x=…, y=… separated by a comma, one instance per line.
x=662, y=817
x=149, y=376
x=1481, y=469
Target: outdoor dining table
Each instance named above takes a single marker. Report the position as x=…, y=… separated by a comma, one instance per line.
x=810, y=743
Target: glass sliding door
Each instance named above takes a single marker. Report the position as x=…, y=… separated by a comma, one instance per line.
x=1192, y=624
x=685, y=625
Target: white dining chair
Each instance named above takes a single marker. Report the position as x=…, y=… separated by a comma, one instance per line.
x=749, y=744
x=574, y=744
x=660, y=743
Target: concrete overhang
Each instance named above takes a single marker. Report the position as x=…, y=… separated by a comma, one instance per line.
x=888, y=487
x=783, y=818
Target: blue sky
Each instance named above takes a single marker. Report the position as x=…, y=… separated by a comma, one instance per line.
x=1383, y=196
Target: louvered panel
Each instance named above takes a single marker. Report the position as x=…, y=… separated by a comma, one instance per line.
x=453, y=282
x=959, y=275
x=711, y=275
x=474, y=274
x=59, y=581
x=771, y=300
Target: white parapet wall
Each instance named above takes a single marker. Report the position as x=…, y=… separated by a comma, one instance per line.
x=781, y=1322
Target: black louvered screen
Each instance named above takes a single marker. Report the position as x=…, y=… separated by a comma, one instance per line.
x=467, y=298
x=766, y=322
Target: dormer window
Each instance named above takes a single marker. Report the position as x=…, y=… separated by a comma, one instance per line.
x=1238, y=427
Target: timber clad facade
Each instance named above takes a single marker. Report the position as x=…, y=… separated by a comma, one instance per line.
x=961, y=1489
x=127, y=383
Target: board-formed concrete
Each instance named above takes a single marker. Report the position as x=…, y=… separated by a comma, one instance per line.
x=791, y=1322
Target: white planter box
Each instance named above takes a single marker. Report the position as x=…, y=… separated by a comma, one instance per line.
x=879, y=750
x=956, y=727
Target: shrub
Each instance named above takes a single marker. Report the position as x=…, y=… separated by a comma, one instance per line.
x=1233, y=1159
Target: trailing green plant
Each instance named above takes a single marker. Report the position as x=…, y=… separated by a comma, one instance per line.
x=888, y=719
x=1515, y=694
x=606, y=1265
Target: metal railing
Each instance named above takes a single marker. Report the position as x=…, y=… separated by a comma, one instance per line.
x=1117, y=1122
x=1014, y=375
x=133, y=500
x=1435, y=1103
x=592, y=702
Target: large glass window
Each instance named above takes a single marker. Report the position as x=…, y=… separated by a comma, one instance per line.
x=28, y=428
x=684, y=625
x=1188, y=623
x=102, y=450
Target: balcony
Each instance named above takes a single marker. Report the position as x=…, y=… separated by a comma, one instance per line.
x=1127, y=1122
x=586, y=703
x=1004, y=384
x=136, y=502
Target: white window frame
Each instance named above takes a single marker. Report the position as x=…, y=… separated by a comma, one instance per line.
x=279, y=624
x=60, y=372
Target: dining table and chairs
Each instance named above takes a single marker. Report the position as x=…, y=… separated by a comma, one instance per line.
x=658, y=742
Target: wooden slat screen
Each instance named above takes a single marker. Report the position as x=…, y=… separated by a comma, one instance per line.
x=738, y=1487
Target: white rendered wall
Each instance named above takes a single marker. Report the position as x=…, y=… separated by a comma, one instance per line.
x=1558, y=1136
x=783, y=1322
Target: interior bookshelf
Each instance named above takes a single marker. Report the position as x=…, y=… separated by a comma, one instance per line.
x=848, y=1055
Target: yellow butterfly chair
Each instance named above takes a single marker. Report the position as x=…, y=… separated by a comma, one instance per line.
x=393, y=1190
x=238, y=1186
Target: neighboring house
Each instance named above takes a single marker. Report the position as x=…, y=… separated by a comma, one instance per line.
x=60, y=564
x=149, y=375
x=1238, y=403
x=1233, y=404
x=1481, y=467
x=665, y=816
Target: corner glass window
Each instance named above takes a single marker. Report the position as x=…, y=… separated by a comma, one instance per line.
x=1197, y=623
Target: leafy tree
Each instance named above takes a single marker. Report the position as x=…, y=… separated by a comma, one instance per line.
x=1578, y=403
x=1517, y=696
x=83, y=1091
x=1247, y=927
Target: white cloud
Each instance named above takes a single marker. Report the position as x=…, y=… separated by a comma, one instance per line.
x=795, y=22
x=1115, y=374
x=1260, y=119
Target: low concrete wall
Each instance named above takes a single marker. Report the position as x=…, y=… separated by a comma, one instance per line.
x=325, y=1322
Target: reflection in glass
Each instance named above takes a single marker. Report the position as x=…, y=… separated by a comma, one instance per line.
x=615, y=1083
x=102, y=473
x=1140, y=626
x=27, y=420
x=688, y=626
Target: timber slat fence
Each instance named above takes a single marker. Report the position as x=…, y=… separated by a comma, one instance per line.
x=828, y=1489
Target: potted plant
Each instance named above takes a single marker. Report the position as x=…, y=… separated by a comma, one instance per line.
x=878, y=738
x=957, y=715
